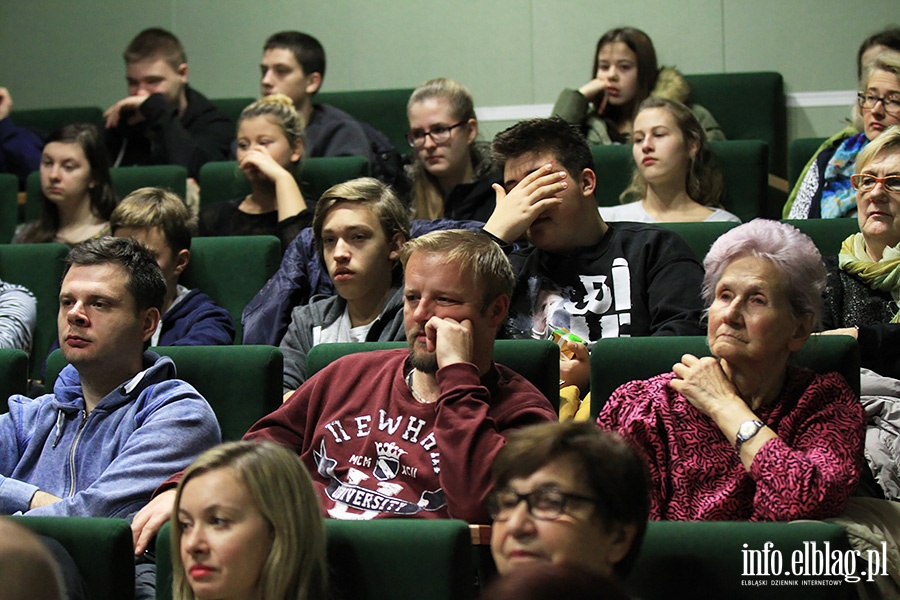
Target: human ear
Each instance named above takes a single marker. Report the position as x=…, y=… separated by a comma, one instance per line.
x=588, y=182
x=313, y=83
x=395, y=244
x=149, y=323
x=182, y=258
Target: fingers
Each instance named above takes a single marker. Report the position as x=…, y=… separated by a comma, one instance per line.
x=150, y=519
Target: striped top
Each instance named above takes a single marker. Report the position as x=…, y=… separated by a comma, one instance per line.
x=18, y=314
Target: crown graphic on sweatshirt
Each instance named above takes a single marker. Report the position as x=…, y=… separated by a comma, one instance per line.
x=389, y=450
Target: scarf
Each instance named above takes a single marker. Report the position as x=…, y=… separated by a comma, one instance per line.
x=838, y=196
x=883, y=276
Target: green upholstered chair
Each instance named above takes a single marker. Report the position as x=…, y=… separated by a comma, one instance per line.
x=231, y=270
x=45, y=120
x=800, y=151
x=828, y=234
x=700, y=236
x=384, y=559
x=38, y=267
x=711, y=560
x=383, y=109
x=222, y=180
x=9, y=206
x=124, y=180
x=13, y=374
x=101, y=548
x=743, y=164
x=232, y=107
x=748, y=106
x=536, y=360
x=241, y=383
x=615, y=361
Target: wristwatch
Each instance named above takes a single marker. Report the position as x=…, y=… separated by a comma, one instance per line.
x=746, y=431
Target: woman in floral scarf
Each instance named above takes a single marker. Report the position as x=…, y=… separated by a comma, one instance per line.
x=824, y=191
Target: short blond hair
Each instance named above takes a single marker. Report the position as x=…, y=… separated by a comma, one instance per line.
x=473, y=253
x=150, y=207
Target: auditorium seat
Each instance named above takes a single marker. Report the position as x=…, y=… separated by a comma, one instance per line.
x=232, y=107
x=383, y=109
x=700, y=236
x=44, y=121
x=9, y=206
x=13, y=374
x=800, y=152
x=828, y=234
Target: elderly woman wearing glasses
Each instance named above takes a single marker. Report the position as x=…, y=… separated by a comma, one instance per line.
x=824, y=190
x=451, y=173
x=568, y=494
x=742, y=434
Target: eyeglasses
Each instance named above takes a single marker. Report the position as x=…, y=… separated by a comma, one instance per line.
x=863, y=182
x=890, y=103
x=439, y=134
x=545, y=504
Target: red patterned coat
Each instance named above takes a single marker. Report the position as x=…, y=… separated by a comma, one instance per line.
x=807, y=472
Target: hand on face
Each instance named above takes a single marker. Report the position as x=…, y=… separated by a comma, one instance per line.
x=517, y=209
x=126, y=106
x=259, y=159
x=595, y=91
x=450, y=340
x=5, y=103
x=703, y=382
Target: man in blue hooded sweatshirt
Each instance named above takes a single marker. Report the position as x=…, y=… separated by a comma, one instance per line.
x=118, y=423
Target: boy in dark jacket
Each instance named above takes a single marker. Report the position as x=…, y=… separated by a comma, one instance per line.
x=160, y=220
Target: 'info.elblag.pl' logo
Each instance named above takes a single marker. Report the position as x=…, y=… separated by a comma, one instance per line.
x=815, y=564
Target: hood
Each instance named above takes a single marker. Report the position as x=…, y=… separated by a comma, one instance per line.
x=67, y=389
x=671, y=85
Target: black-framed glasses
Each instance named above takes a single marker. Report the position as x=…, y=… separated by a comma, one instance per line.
x=440, y=134
x=863, y=182
x=890, y=103
x=545, y=504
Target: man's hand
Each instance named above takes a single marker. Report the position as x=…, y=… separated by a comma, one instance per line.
x=517, y=210
x=126, y=106
x=5, y=103
x=149, y=519
x=451, y=341
x=42, y=499
x=577, y=369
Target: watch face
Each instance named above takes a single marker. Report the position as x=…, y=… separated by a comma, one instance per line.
x=747, y=428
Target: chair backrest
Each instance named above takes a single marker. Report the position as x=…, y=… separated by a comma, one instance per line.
x=712, y=559
x=700, y=236
x=384, y=559
x=9, y=206
x=221, y=180
x=800, y=151
x=615, y=361
x=231, y=270
x=748, y=106
x=124, y=181
x=13, y=374
x=241, y=383
x=45, y=120
x=743, y=163
x=828, y=234
x=102, y=549
x=535, y=360
x=232, y=107
x=38, y=267
x=383, y=109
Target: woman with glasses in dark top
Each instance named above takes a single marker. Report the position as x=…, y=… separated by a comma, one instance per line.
x=823, y=189
x=451, y=172
x=568, y=494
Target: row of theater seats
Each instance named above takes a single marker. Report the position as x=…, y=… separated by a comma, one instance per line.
x=744, y=164
x=748, y=106
x=233, y=269
x=371, y=559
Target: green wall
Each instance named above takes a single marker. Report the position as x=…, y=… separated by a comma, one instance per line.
x=509, y=52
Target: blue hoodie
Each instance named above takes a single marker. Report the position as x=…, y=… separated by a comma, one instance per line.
x=108, y=463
